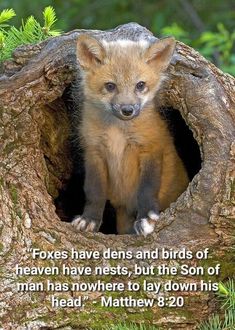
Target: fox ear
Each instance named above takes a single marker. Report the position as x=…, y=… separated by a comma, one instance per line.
x=90, y=52
x=160, y=53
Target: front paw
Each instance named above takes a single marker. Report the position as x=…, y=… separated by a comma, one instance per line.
x=145, y=226
x=81, y=223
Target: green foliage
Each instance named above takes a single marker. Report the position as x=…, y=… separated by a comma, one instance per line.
x=216, y=46
x=6, y=15
x=226, y=295
x=229, y=320
x=177, y=31
x=213, y=39
x=30, y=31
x=2, y=40
x=213, y=324
x=221, y=41
x=132, y=326
x=49, y=16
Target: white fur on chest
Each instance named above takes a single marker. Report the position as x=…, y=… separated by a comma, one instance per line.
x=115, y=142
x=116, y=154
x=122, y=165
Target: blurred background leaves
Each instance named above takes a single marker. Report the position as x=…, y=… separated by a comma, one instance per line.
x=206, y=25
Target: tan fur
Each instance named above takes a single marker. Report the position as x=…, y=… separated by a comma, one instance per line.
x=122, y=150
x=123, y=146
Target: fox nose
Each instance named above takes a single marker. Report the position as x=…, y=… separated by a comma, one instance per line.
x=127, y=109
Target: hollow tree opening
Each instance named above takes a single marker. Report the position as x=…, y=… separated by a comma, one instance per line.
x=71, y=198
x=203, y=216
x=186, y=146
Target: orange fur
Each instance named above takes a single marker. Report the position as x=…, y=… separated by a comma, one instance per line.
x=123, y=146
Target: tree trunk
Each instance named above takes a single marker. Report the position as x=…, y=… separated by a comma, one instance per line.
x=36, y=163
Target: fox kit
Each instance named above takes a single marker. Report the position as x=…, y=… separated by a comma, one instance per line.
x=130, y=158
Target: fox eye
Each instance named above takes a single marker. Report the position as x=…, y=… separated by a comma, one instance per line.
x=110, y=87
x=140, y=86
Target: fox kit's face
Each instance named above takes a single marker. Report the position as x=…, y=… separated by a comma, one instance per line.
x=122, y=77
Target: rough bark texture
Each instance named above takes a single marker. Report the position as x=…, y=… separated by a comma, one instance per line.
x=35, y=162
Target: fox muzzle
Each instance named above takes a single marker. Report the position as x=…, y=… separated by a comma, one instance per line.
x=126, y=111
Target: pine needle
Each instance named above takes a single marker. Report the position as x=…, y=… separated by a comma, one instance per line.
x=2, y=40
x=6, y=15
x=54, y=33
x=214, y=323
x=30, y=31
x=229, y=320
x=49, y=17
x=226, y=294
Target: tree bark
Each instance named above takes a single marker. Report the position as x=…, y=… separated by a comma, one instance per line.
x=35, y=162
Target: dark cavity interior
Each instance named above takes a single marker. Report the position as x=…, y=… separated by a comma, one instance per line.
x=185, y=143
x=71, y=199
